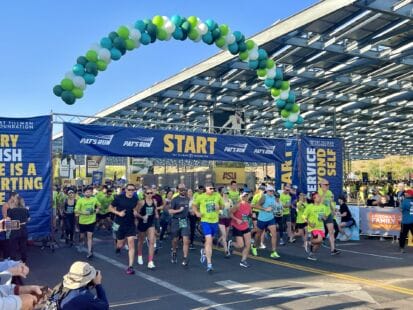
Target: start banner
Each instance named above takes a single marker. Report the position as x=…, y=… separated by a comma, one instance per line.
x=26, y=166
x=142, y=142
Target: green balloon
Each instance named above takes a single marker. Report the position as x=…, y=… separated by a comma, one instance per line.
x=77, y=92
x=161, y=34
x=250, y=44
x=193, y=21
x=261, y=72
x=243, y=56
x=193, y=34
x=157, y=20
x=285, y=85
x=67, y=84
x=123, y=32
x=220, y=42
x=275, y=92
x=101, y=65
x=68, y=97
x=270, y=63
x=58, y=90
x=91, y=55
x=224, y=29
x=130, y=44
x=295, y=108
x=285, y=113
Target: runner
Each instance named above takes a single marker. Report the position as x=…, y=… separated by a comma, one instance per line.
x=105, y=198
x=285, y=199
x=125, y=208
x=147, y=213
x=225, y=220
x=266, y=221
x=86, y=208
x=301, y=224
x=315, y=214
x=207, y=206
x=180, y=224
x=255, y=200
x=240, y=216
x=233, y=193
x=327, y=197
x=192, y=219
x=69, y=216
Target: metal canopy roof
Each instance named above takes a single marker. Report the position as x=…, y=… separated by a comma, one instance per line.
x=350, y=63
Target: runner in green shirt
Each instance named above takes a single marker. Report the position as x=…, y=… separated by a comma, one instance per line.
x=207, y=206
x=105, y=198
x=233, y=193
x=301, y=223
x=86, y=208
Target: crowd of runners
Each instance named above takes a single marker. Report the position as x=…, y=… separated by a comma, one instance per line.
x=235, y=218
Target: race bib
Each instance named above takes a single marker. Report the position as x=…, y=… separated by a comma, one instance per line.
x=320, y=216
x=183, y=223
x=245, y=217
x=149, y=211
x=70, y=209
x=90, y=210
x=210, y=207
x=115, y=227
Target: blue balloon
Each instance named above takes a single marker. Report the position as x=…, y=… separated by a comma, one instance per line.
x=178, y=34
x=140, y=25
x=279, y=74
x=145, y=38
x=242, y=46
x=291, y=97
x=238, y=35
x=262, y=64
x=176, y=19
x=89, y=78
x=262, y=54
x=280, y=104
x=253, y=64
x=288, y=124
x=115, y=54
x=211, y=24
x=78, y=69
x=289, y=106
x=269, y=83
x=277, y=84
x=208, y=38
x=300, y=119
x=233, y=48
x=106, y=43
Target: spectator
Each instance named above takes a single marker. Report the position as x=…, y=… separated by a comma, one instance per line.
x=407, y=218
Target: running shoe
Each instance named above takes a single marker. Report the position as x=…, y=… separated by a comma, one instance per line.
x=262, y=246
x=254, y=251
x=311, y=256
x=335, y=252
x=291, y=240
x=274, y=255
x=130, y=270
x=203, y=257
x=229, y=247
x=151, y=265
x=244, y=264
x=282, y=242
x=210, y=269
x=307, y=247
x=174, y=260
x=191, y=247
x=402, y=250
x=185, y=262
x=89, y=255
x=140, y=260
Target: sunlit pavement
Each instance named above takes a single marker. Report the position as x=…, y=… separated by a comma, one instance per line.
x=369, y=274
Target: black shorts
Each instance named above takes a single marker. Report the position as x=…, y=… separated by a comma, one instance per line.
x=239, y=233
x=100, y=217
x=125, y=231
x=83, y=228
x=301, y=225
x=143, y=227
x=329, y=219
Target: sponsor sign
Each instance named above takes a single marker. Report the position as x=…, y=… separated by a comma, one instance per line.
x=380, y=221
x=225, y=175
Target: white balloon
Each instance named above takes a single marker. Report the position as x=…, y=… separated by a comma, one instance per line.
x=96, y=47
x=293, y=117
x=165, y=19
x=134, y=34
x=169, y=27
x=70, y=75
x=230, y=38
x=253, y=55
x=79, y=82
x=198, y=38
x=202, y=28
x=271, y=73
x=168, y=36
x=104, y=54
x=284, y=95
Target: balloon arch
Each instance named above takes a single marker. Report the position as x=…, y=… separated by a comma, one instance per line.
x=163, y=28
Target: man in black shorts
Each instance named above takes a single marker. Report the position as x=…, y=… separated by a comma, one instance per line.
x=179, y=224
x=125, y=209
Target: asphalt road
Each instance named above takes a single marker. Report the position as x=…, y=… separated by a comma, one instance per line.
x=369, y=274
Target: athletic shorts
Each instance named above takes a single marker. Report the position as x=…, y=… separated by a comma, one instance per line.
x=293, y=213
x=143, y=227
x=317, y=232
x=225, y=221
x=287, y=218
x=102, y=216
x=239, y=233
x=125, y=231
x=209, y=228
x=301, y=225
x=180, y=227
x=329, y=219
x=83, y=228
x=263, y=225
x=278, y=220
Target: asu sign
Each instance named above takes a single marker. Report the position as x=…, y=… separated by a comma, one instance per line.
x=226, y=175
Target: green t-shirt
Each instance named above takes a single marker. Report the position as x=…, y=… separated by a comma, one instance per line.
x=234, y=196
x=328, y=200
x=104, y=201
x=206, y=205
x=301, y=206
x=285, y=200
x=255, y=200
x=314, y=215
x=87, y=205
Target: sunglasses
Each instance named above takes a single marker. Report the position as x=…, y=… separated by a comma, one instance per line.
x=130, y=189
x=211, y=188
x=148, y=193
x=326, y=184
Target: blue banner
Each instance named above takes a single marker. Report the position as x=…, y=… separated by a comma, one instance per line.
x=140, y=142
x=321, y=158
x=287, y=170
x=26, y=166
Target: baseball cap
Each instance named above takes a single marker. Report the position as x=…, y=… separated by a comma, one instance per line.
x=269, y=188
x=244, y=194
x=409, y=192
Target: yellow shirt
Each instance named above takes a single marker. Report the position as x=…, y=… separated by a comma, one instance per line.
x=87, y=205
x=206, y=205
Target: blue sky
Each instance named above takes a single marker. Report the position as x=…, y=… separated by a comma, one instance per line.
x=40, y=41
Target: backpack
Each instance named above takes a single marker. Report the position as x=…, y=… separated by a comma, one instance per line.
x=56, y=297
